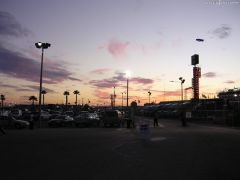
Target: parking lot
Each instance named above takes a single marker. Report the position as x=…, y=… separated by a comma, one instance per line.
x=167, y=152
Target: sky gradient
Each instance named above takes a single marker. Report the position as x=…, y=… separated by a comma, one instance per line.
x=94, y=42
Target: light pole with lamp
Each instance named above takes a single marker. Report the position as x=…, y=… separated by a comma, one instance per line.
x=149, y=94
x=42, y=46
x=127, y=76
x=182, y=81
x=122, y=99
x=114, y=97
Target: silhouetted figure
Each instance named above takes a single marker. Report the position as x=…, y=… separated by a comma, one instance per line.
x=2, y=130
x=31, y=125
x=155, y=120
x=129, y=122
x=183, y=118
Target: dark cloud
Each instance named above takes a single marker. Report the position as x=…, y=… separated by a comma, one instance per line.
x=10, y=27
x=15, y=64
x=36, y=88
x=140, y=80
x=24, y=90
x=230, y=82
x=222, y=32
x=104, y=83
x=117, y=80
x=209, y=75
x=100, y=71
x=74, y=79
x=7, y=85
x=28, y=88
x=120, y=76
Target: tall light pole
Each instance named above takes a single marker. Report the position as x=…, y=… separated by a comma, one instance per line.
x=122, y=99
x=42, y=46
x=149, y=94
x=114, y=96
x=182, y=81
x=127, y=76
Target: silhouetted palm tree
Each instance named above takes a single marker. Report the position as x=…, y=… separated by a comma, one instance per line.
x=2, y=99
x=43, y=93
x=66, y=93
x=76, y=92
x=32, y=98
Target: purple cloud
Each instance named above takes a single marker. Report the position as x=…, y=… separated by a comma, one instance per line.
x=117, y=80
x=104, y=83
x=120, y=76
x=229, y=82
x=209, y=75
x=222, y=32
x=10, y=27
x=139, y=80
x=172, y=93
x=74, y=79
x=36, y=88
x=116, y=48
x=101, y=94
x=7, y=85
x=16, y=65
x=100, y=71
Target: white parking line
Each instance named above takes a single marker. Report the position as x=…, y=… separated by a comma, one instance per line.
x=158, y=138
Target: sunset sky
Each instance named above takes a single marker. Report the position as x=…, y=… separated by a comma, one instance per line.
x=94, y=42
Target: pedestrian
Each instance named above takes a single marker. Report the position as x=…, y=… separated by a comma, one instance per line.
x=155, y=120
x=2, y=130
x=31, y=125
x=183, y=118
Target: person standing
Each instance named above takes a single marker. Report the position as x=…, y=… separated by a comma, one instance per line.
x=155, y=120
x=183, y=118
x=31, y=126
x=2, y=130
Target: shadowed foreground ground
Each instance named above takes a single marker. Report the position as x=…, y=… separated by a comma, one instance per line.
x=173, y=152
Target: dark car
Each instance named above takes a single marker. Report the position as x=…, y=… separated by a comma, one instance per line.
x=61, y=121
x=112, y=118
x=11, y=122
x=87, y=120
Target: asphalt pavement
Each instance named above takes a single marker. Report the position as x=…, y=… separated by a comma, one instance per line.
x=169, y=151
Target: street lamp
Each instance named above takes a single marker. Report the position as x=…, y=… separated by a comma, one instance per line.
x=149, y=94
x=114, y=97
x=42, y=46
x=127, y=76
x=122, y=99
x=182, y=81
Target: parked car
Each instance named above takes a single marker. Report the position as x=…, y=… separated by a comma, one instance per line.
x=69, y=113
x=61, y=121
x=45, y=115
x=11, y=122
x=87, y=120
x=112, y=118
x=16, y=113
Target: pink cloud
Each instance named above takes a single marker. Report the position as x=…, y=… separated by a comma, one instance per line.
x=209, y=75
x=116, y=48
x=104, y=83
x=140, y=80
x=230, y=82
x=172, y=93
x=101, y=94
x=100, y=71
